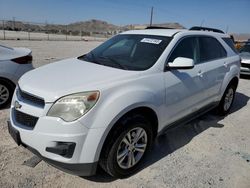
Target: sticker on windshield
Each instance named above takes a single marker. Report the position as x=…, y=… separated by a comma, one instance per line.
x=151, y=41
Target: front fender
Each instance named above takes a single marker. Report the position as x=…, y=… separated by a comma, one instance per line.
x=110, y=111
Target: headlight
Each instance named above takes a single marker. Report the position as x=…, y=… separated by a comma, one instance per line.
x=72, y=107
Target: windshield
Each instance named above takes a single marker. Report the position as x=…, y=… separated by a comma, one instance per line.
x=245, y=48
x=129, y=52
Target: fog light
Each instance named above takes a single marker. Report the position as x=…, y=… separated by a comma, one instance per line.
x=65, y=149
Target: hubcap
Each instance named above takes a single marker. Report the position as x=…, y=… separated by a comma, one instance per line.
x=228, y=99
x=132, y=148
x=4, y=94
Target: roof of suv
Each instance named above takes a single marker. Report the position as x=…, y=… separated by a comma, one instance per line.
x=171, y=32
x=163, y=32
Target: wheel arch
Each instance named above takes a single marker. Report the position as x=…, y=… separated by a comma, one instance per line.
x=148, y=112
x=234, y=81
x=8, y=81
x=229, y=79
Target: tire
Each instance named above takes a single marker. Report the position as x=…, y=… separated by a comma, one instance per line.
x=6, y=92
x=226, y=100
x=116, y=148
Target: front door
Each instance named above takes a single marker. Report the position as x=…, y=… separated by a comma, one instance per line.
x=184, y=88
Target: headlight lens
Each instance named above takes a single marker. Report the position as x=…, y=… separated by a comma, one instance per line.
x=72, y=107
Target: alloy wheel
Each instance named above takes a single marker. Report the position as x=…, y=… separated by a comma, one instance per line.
x=228, y=99
x=4, y=94
x=132, y=148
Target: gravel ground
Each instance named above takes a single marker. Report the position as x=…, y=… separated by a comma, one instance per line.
x=208, y=152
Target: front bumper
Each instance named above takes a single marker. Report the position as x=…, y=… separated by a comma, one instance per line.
x=245, y=70
x=62, y=144
x=80, y=169
x=245, y=67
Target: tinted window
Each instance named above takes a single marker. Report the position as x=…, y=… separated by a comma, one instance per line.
x=186, y=48
x=245, y=48
x=210, y=49
x=230, y=43
x=130, y=52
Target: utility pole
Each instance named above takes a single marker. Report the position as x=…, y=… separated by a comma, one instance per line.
x=29, y=34
x=47, y=29
x=202, y=22
x=151, y=17
x=14, y=24
x=3, y=31
x=66, y=32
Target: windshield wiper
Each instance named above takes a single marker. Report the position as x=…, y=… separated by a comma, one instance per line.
x=90, y=57
x=114, y=62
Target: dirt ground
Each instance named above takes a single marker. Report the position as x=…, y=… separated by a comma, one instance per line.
x=208, y=152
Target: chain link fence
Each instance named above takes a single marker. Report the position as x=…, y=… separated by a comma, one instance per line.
x=19, y=30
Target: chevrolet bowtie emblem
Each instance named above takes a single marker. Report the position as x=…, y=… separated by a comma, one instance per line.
x=17, y=105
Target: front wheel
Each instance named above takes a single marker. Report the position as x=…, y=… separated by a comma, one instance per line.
x=6, y=92
x=227, y=100
x=129, y=144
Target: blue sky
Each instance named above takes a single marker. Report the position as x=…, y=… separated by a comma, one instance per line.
x=234, y=14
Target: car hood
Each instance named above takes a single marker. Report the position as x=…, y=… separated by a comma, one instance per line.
x=71, y=76
x=7, y=53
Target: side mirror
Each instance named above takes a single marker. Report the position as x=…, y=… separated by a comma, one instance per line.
x=181, y=63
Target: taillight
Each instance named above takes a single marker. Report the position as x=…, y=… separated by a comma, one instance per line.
x=23, y=60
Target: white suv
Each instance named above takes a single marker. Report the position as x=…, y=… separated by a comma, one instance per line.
x=106, y=107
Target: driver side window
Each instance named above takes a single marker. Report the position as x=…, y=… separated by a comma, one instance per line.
x=187, y=47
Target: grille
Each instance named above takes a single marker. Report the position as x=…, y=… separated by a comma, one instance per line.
x=30, y=98
x=245, y=65
x=25, y=119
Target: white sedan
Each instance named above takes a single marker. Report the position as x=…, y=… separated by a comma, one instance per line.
x=14, y=62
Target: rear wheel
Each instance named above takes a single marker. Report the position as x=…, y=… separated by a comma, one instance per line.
x=6, y=92
x=227, y=100
x=130, y=142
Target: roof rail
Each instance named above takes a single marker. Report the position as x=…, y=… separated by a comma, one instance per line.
x=158, y=27
x=197, y=28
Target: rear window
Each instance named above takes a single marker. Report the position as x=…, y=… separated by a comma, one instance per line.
x=230, y=43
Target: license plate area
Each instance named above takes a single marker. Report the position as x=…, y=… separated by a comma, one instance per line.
x=14, y=134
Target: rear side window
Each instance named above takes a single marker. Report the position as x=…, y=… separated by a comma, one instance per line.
x=230, y=43
x=210, y=49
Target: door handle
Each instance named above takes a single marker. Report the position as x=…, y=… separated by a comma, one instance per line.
x=225, y=64
x=200, y=74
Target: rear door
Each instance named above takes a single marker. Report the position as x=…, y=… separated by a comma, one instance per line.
x=212, y=61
